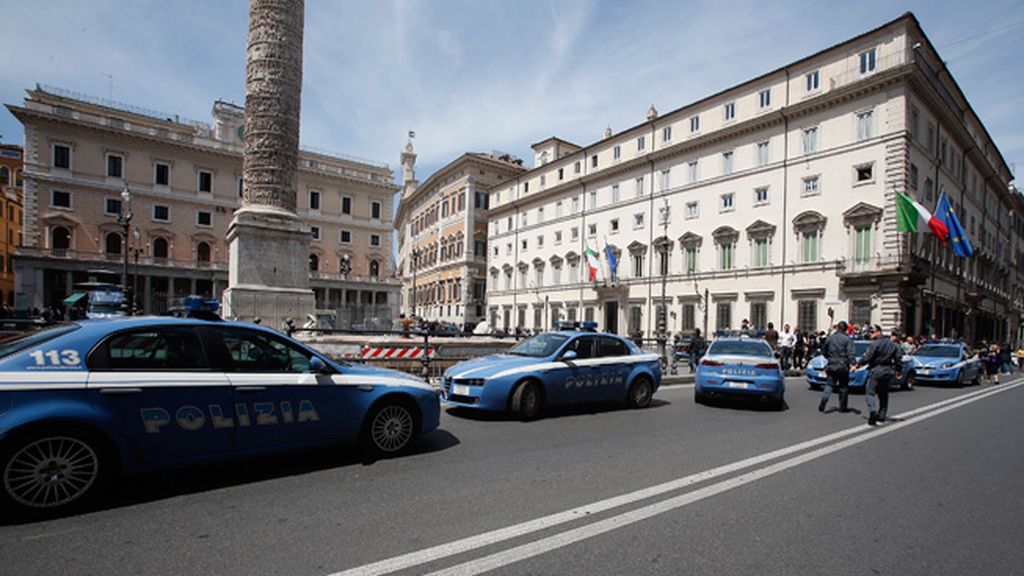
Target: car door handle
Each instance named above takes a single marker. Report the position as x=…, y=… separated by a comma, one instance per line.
x=120, y=391
x=251, y=389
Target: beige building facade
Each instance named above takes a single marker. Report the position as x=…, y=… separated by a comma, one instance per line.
x=772, y=201
x=442, y=236
x=185, y=181
x=11, y=181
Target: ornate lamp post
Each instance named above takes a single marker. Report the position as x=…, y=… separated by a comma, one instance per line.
x=124, y=218
x=663, y=269
x=136, y=235
x=415, y=266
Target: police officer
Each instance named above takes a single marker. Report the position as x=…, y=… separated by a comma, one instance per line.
x=838, y=351
x=883, y=359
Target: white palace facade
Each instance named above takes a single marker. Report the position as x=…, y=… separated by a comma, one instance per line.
x=772, y=201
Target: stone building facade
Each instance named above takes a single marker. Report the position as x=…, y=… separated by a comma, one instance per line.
x=442, y=236
x=772, y=201
x=11, y=180
x=185, y=179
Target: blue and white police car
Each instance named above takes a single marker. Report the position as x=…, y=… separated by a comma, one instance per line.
x=740, y=368
x=81, y=403
x=944, y=363
x=554, y=369
x=817, y=377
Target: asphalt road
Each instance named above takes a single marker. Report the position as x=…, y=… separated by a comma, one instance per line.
x=674, y=489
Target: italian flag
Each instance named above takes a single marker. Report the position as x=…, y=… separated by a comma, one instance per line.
x=592, y=262
x=910, y=215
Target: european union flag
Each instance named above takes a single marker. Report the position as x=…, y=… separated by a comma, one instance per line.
x=944, y=211
x=613, y=262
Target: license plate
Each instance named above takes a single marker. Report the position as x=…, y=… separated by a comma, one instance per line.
x=925, y=372
x=460, y=390
x=740, y=385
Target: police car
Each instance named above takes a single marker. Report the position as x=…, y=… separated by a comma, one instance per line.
x=552, y=369
x=83, y=402
x=740, y=368
x=817, y=377
x=950, y=363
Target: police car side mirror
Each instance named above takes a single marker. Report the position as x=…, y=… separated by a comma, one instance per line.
x=569, y=356
x=318, y=366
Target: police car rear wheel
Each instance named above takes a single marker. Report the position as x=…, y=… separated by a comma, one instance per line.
x=51, y=472
x=526, y=401
x=640, y=393
x=391, y=428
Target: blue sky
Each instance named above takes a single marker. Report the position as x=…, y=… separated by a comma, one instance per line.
x=483, y=75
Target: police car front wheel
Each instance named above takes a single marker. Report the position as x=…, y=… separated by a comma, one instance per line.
x=51, y=472
x=390, y=428
x=641, y=391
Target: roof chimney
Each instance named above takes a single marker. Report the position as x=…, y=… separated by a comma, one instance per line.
x=652, y=113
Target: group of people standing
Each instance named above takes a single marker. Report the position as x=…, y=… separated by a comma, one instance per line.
x=794, y=347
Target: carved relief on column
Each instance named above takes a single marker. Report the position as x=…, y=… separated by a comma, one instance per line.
x=273, y=95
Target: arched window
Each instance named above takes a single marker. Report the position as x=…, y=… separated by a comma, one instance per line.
x=113, y=243
x=202, y=252
x=60, y=239
x=160, y=248
x=314, y=262
x=374, y=269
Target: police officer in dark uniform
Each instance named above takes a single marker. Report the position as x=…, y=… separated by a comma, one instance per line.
x=838, y=351
x=883, y=359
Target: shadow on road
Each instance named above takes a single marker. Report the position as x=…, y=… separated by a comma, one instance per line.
x=553, y=412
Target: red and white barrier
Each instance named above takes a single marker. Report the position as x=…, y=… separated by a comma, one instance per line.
x=392, y=353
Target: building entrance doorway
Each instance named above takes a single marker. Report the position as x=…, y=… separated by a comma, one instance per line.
x=611, y=317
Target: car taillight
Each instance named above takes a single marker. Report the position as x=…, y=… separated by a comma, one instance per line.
x=710, y=363
x=768, y=366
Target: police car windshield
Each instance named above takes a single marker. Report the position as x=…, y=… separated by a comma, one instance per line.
x=540, y=346
x=939, y=352
x=740, y=348
x=31, y=339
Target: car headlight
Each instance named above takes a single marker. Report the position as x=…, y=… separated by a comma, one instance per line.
x=949, y=365
x=471, y=381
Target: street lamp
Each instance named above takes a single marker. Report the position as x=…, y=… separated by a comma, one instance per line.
x=415, y=266
x=124, y=218
x=136, y=235
x=663, y=269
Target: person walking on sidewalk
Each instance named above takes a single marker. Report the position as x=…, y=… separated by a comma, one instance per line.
x=838, y=352
x=884, y=360
x=786, y=342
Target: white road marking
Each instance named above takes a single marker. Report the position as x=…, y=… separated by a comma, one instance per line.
x=445, y=550
x=529, y=550
x=674, y=387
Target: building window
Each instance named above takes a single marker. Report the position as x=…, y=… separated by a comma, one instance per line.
x=61, y=156
x=812, y=81
x=574, y=233
x=345, y=237
x=666, y=134
x=915, y=118
x=574, y=276
x=663, y=261
x=558, y=237
x=759, y=316
x=691, y=172
x=314, y=200
x=577, y=167
x=729, y=111
x=807, y=315
x=593, y=199
x=664, y=182
x=638, y=265
x=523, y=245
x=760, y=252
x=161, y=248
x=913, y=176
x=374, y=269
x=723, y=315
x=162, y=176
x=810, y=246
x=315, y=232
x=346, y=205
x=727, y=201
x=810, y=140
x=60, y=240
x=692, y=210
x=613, y=225
x=864, y=173
x=762, y=153
x=374, y=239
x=241, y=187
x=639, y=186
x=615, y=193
x=204, y=218
x=575, y=204
x=725, y=256
x=867, y=61
x=727, y=162
x=616, y=152
x=112, y=206
x=205, y=181
x=694, y=124
x=540, y=241
x=638, y=220
x=61, y=199
x=375, y=210
x=115, y=166
x=593, y=161
x=765, y=98
x=641, y=142
x=691, y=259
x=112, y=243
x=862, y=244
x=591, y=230
x=561, y=174
x=760, y=196
x=161, y=213
x=810, y=187
x=540, y=214
x=865, y=125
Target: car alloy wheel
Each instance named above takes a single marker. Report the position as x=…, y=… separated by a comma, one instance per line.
x=640, y=393
x=391, y=428
x=51, y=472
x=526, y=401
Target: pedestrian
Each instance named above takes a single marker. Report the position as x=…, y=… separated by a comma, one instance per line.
x=799, y=349
x=1020, y=357
x=1005, y=359
x=696, y=350
x=839, y=354
x=884, y=360
x=771, y=336
x=991, y=359
x=908, y=346
x=786, y=341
